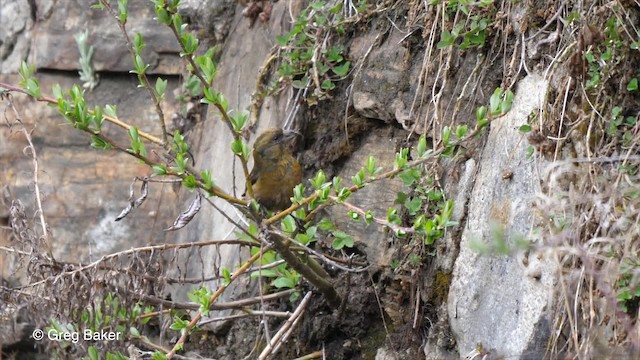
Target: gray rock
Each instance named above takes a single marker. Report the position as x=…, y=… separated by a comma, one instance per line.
x=15, y=34
x=377, y=197
x=502, y=302
x=54, y=46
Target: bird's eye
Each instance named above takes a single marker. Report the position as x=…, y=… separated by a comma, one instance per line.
x=278, y=137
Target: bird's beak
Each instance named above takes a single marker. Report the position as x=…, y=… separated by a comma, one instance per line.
x=289, y=135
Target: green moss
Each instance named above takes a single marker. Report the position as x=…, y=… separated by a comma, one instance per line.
x=441, y=285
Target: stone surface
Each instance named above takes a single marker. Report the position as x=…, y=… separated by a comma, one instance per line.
x=211, y=142
x=54, y=46
x=15, y=33
x=502, y=302
x=377, y=197
x=214, y=17
x=399, y=79
x=84, y=189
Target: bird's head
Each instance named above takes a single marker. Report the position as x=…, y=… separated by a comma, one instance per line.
x=273, y=143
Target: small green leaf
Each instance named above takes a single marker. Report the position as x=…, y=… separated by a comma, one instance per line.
x=300, y=84
x=319, y=180
x=57, y=91
x=93, y=353
x=421, y=148
x=341, y=239
x=122, y=11
x=507, y=102
x=226, y=274
x=342, y=70
x=326, y=224
x=238, y=121
x=446, y=39
x=161, y=86
x=133, y=331
x=633, y=85
x=495, y=101
x=461, y=131
x=288, y=224
x=110, y=110
x=283, y=282
x=190, y=182
x=368, y=217
x=327, y=85
x=99, y=143
x=159, y=169
x=446, y=135
x=138, y=43
x=525, y=128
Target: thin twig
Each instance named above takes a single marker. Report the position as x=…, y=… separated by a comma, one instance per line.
x=282, y=334
x=34, y=157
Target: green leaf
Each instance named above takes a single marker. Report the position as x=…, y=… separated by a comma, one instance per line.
x=163, y=16
x=133, y=331
x=343, y=194
x=138, y=43
x=368, y=217
x=401, y=158
x=288, y=224
x=530, y=151
x=342, y=70
x=337, y=184
x=525, y=128
x=226, y=274
x=358, y=178
x=99, y=143
x=122, y=11
x=421, y=148
x=371, y=166
x=207, y=178
x=461, y=131
x=190, y=182
x=414, y=205
x=93, y=353
x=410, y=176
x=481, y=117
x=283, y=282
x=446, y=135
x=341, y=239
x=507, y=102
x=161, y=86
x=319, y=180
x=326, y=224
x=282, y=40
x=633, y=85
x=327, y=85
x=238, y=121
x=159, y=169
x=110, y=110
x=446, y=39
x=495, y=101
x=57, y=91
x=300, y=84
x=236, y=147
x=139, y=64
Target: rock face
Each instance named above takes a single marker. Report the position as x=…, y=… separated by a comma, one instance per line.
x=15, y=34
x=503, y=302
x=212, y=142
x=83, y=189
x=55, y=46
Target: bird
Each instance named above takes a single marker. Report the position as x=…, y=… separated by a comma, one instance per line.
x=276, y=171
